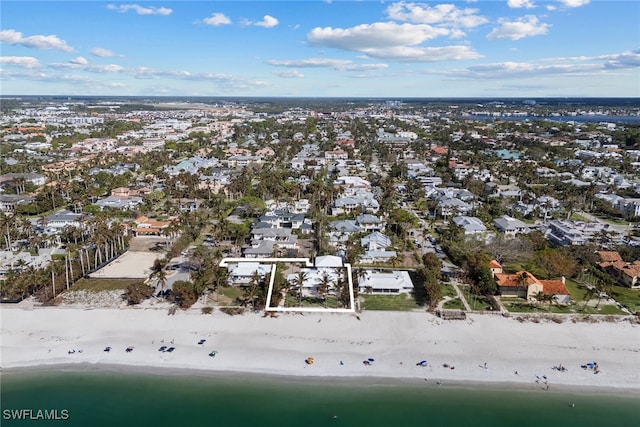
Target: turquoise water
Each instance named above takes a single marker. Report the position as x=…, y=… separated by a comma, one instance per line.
x=110, y=398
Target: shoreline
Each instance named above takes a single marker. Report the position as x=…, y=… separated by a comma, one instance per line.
x=253, y=345
x=356, y=381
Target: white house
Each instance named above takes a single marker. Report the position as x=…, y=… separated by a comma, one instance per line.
x=394, y=282
x=510, y=226
x=241, y=274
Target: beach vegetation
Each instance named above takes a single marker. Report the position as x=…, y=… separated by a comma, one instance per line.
x=232, y=311
x=184, y=294
x=137, y=292
x=99, y=285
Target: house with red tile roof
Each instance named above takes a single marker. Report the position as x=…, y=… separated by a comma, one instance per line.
x=626, y=273
x=149, y=227
x=525, y=285
x=495, y=267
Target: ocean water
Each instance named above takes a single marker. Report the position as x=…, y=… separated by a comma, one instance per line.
x=116, y=398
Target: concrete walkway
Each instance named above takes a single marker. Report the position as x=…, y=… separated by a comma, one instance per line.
x=459, y=293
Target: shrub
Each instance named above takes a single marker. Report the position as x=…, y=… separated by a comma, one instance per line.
x=137, y=292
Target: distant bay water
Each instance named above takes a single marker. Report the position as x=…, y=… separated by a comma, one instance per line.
x=116, y=398
x=564, y=119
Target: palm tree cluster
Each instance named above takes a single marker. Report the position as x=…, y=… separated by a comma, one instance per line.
x=88, y=247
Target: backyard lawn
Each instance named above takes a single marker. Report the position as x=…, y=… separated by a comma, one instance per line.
x=453, y=304
x=402, y=302
x=630, y=298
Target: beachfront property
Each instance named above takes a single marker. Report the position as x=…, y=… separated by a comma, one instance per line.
x=626, y=273
x=525, y=285
x=325, y=270
x=242, y=273
x=23, y=260
x=385, y=282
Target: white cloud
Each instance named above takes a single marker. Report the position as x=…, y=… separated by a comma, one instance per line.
x=520, y=4
x=630, y=59
x=374, y=36
x=217, y=19
x=140, y=10
x=268, y=21
x=289, y=74
x=36, y=42
x=447, y=15
x=20, y=61
x=574, y=3
x=228, y=80
x=336, y=64
x=515, y=30
x=519, y=69
x=568, y=66
x=423, y=54
x=102, y=53
x=79, y=61
x=82, y=64
x=392, y=41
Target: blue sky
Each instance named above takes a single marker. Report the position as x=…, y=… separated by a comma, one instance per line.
x=509, y=48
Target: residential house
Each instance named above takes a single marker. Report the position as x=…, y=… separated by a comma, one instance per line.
x=367, y=222
x=525, y=285
x=565, y=232
x=335, y=154
x=451, y=206
x=376, y=245
x=9, y=202
x=62, y=219
x=355, y=199
x=385, y=283
x=119, y=202
x=144, y=226
x=242, y=273
x=328, y=266
x=496, y=267
x=626, y=273
x=510, y=226
x=470, y=224
x=33, y=178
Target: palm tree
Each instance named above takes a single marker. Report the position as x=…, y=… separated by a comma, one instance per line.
x=299, y=281
x=323, y=287
x=251, y=291
x=591, y=291
x=6, y=224
x=161, y=280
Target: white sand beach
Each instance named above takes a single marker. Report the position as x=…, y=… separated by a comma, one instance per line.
x=338, y=343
